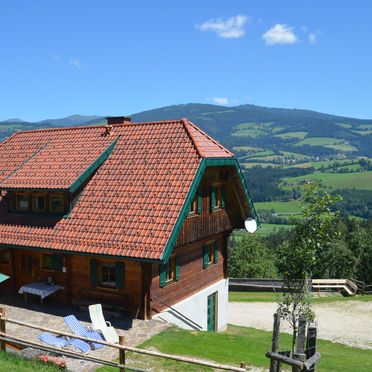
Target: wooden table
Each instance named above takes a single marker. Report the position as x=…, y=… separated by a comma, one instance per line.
x=40, y=289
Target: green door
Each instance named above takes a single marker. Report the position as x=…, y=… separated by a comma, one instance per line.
x=211, y=309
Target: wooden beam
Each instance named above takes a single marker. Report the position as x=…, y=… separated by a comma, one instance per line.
x=284, y=359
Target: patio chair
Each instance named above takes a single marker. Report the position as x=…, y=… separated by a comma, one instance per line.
x=100, y=324
x=80, y=330
x=61, y=342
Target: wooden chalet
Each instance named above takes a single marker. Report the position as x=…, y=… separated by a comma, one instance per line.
x=135, y=216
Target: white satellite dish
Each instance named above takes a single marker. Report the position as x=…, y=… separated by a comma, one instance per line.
x=250, y=225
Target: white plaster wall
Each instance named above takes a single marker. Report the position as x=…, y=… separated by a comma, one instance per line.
x=195, y=308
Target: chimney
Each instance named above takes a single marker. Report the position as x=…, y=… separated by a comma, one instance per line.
x=112, y=120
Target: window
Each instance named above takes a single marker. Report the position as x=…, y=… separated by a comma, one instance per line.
x=38, y=202
x=22, y=201
x=210, y=254
x=4, y=257
x=46, y=261
x=107, y=274
x=170, y=271
x=56, y=203
x=217, y=197
x=196, y=204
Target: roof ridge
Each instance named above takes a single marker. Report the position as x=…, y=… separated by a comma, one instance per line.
x=200, y=152
x=188, y=122
x=97, y=126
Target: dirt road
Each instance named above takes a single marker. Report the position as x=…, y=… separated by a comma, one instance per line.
x=348, y=322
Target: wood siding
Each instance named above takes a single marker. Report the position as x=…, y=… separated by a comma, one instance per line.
x=193, y=277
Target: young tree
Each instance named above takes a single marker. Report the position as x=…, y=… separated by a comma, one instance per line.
x=298, y=257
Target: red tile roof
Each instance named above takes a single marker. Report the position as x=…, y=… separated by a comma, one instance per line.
x=129, y=206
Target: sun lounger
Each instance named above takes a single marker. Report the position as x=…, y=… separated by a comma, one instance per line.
x=61, y=343
x=100, y=324
x=80, y=330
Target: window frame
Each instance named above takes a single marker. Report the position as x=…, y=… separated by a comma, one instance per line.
x=22, y=193
x=7, y=253
x=35, y=195
x=61, y=196
x=171, y=269
x=210, y=253
x=42, y=262
x=100, y=282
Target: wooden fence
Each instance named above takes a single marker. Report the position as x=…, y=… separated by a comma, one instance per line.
x=5, y=338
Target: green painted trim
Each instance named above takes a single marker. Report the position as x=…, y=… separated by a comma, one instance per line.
x=75, y=253
x=206, y=162
x=23, y=164
x=93, y=167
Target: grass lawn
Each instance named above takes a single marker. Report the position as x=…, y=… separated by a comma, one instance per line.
x=299, y=135
x=359, y=180
x=273, y=297
x=319, y=141
x=279, y=207
x=270, y=228
x=10, y=362
x=239, y=344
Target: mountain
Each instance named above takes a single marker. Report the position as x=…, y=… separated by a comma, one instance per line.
x=248, y=126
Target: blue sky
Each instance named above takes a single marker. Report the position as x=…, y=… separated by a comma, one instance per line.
x=113, y=57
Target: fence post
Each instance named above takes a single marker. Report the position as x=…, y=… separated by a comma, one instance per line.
x=301, y=340
x=122, y=353
x=311, y=344
x=2, y=327
x=274, y=364
x=243, y=365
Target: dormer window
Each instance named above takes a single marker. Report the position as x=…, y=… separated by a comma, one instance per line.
x=22, y=201
x=38, y=202
x=56, y=203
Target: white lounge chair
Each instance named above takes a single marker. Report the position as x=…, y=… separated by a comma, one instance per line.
x=100, y=324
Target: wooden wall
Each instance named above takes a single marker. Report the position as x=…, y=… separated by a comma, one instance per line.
x=210, y=223
x=193, y=277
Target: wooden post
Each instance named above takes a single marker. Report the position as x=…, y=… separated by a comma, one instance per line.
x=243, y=365
x=275, y=365
x=311, y=344
x=122, y=353
x=2, y=328
x=301, y=340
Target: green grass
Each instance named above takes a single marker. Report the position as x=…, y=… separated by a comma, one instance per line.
x=239, y=344
x=263, y=165
x=12, y=362
x=365, y=127
x=342, y=147
x=299, y=135
x=319, y=141
x=279, y=207
x=360, y=180
x=269, y=228
x=274, y=297
x=363, y=132
x=344, y=125
x=247, y=148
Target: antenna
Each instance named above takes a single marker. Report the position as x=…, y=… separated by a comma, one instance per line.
x=250, y=225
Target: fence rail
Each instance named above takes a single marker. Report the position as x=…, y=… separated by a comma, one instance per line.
x=4, y=337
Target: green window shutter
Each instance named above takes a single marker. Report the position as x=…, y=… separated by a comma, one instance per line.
x=222, y=197
x=215, y=251
x=94, y=273
x=178, y=267
x=205, y=256
x=200, y=201
x=213, y=198
x=57, y=262
x=120, y=274
x=162, y=274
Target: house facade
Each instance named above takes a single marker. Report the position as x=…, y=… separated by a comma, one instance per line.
x=135, y=216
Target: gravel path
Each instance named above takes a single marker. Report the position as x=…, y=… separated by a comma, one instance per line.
x=348, y=322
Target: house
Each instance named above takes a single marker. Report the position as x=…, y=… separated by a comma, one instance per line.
x=132, y=215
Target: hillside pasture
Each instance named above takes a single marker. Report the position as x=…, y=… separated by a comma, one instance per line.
x=345, y=147
x=319, y=141
x=359, y=180
x=290, y=135
x=279, y=206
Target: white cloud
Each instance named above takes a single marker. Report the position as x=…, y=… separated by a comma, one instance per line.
x=220, y=100
x=312, y=37
x=227, y=28
x=280, y=34
x=75, y=62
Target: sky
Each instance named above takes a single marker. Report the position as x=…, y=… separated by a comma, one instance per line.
x=119, y=57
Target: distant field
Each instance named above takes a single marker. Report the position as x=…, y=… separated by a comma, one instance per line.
x=299, y=135
x=360, y=180
x=345, y=125
x=342, y=147
x=319, y=141
x=279, y=207
x=363, y=132
x=263, y=165
x=247, y=149
x=365, y=126
x=294, y=154
x=269, y=228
